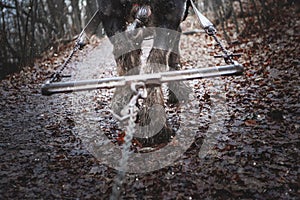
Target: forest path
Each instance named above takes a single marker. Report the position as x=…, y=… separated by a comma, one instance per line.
x=255, y=154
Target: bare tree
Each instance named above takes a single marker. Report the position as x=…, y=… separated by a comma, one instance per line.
x=251, y=14
x=31, y=27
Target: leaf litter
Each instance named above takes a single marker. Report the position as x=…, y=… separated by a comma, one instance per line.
x=255, y=156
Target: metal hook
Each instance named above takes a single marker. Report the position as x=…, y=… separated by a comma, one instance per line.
x=139, y=88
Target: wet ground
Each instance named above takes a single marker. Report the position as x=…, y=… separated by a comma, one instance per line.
x=245, y=141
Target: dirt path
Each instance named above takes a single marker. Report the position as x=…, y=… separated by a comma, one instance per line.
x=249, y=125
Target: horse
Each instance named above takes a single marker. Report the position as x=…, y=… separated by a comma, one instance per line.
x=130, y=16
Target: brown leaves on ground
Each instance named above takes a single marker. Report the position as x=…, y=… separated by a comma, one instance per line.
x=254, y=155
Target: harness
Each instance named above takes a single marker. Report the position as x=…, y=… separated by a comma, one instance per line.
x=53, y=85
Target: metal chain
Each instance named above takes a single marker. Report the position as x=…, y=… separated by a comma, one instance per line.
x=130, y=112
x=227, y=55
x=211, y=31
x=57, y=76
x=79, y=44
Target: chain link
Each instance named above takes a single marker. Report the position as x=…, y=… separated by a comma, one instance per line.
x=130, y=111
x=57, y=76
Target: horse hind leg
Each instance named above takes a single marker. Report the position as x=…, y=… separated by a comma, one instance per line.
x=126, y=50
x=182, y=90
x=166, y=17
x=152, y=118
x=174, y=58
x=127, y=55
